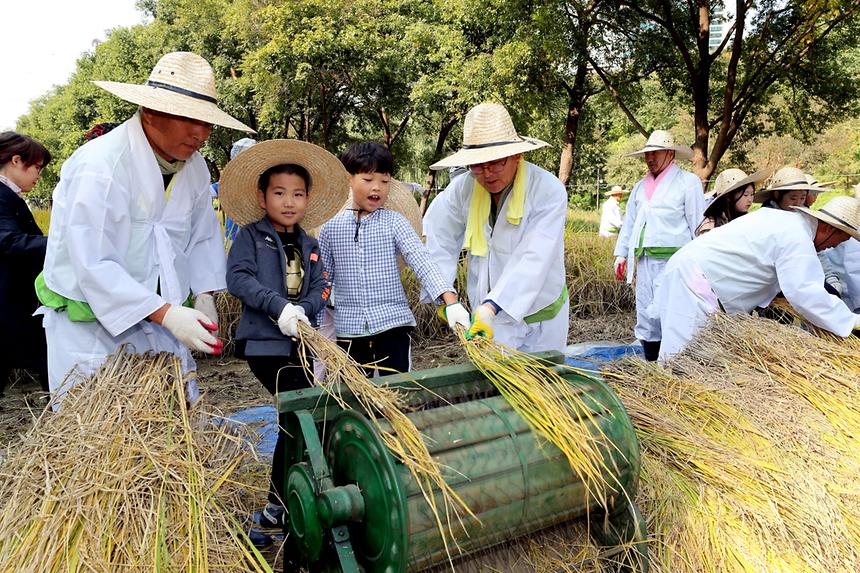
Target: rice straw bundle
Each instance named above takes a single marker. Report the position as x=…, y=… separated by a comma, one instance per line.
x=385, y=408
x=124, y=477
x=551, y=405
x=751, y=449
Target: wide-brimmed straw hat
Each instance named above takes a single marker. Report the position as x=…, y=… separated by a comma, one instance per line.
x=660, y=140
x=732, y=180
x=488, y=135
x=785, y=179
x=840, y=212
x=181, y=83
x=329, y=180
x=821, y=186
x=616, y=190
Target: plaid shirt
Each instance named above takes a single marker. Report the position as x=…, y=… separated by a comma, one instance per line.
x=361, y=261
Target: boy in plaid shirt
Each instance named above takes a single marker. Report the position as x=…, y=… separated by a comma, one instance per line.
x=359, y=248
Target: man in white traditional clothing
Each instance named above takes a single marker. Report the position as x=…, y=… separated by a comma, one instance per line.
x=663, y=212
x=510, y=216
x=610, y=212
x=744, y=264
x=135, y=249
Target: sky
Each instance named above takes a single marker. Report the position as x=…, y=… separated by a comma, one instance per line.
x=46, y=39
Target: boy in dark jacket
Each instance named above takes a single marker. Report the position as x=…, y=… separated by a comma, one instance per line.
x=274, y=267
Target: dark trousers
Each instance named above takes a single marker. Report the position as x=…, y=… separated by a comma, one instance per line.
x=389, y=350
x=280, y=374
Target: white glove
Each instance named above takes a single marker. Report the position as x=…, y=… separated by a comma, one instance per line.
x=456, y=314
x=192, y=328
x=288, y=322
x=857, y=322
x=205, y=303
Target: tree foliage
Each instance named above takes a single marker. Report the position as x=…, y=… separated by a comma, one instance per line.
x=588, y=76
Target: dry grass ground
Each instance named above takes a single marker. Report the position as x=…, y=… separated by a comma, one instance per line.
x=600, y=310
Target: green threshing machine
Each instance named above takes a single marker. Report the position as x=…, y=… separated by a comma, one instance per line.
x=353, y=507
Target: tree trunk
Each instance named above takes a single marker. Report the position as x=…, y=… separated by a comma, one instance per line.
x=448, y=124
x=575, y=104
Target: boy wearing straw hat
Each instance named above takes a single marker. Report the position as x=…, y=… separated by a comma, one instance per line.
x=510, y=216
x=663, y=212
x=610, y=212
x=359, y=248
x=274, y=189
x=133, y=234
x=741, y=266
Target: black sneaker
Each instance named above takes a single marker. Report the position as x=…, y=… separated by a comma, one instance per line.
x=273, y=517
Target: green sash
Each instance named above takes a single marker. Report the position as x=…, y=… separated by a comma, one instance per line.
x=550, y=311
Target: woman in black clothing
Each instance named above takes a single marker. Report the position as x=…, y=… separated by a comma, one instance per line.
x=22, y=255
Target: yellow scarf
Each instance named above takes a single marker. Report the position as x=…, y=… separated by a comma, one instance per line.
x=479, y=211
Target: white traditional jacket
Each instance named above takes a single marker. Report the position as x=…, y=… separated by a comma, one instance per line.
x=670, y=218
x=610, y=218
x=845, y=259
x=115, y=241
x=523, y=271
x=751, y=259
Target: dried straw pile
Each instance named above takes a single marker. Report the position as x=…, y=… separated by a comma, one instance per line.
x=751, y=450
x=229, y=312
x=125, y=478
x=593, y=288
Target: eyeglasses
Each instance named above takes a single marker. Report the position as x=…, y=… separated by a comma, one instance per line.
x=492, y=166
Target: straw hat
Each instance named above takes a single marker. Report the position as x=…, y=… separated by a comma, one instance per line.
x=181, y=83
x=329, y=180
x=840, y=212
x=732, y=180
x=616, y=190
x=488, y=134
x=401, y=199
x=820, y=186
x=660, y=140
x=785, y=179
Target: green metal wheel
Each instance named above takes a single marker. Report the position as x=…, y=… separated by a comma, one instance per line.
x=356, y=455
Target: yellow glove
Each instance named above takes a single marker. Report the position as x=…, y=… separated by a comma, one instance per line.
x=482, y=322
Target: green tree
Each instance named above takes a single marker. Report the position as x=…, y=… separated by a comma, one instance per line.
x=785, y=45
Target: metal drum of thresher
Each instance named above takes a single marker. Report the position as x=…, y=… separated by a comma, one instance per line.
x=511, y=478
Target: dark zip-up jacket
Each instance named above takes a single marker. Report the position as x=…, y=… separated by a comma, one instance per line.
x=22, y=255
x=256, y=274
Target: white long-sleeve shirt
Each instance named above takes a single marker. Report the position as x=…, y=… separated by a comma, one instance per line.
x=751, y=259
x=669, y=218
x=115, y=240
x=523, y=271
x=610, y=218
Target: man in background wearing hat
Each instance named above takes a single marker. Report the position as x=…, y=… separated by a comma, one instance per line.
x=610, y=213
x=741, y=266
x=231, y=228
x=510, y=215
x=133, y=234
x=663, y=212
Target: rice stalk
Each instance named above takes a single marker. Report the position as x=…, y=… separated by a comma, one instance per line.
x=385, y=408
x=125, y=477
x=552, y=406
x=750, y=449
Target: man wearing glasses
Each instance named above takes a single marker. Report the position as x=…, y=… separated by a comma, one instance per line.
x=509, y=215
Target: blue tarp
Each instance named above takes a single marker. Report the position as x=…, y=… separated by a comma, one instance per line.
x=266, y=417
x=594, y=357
